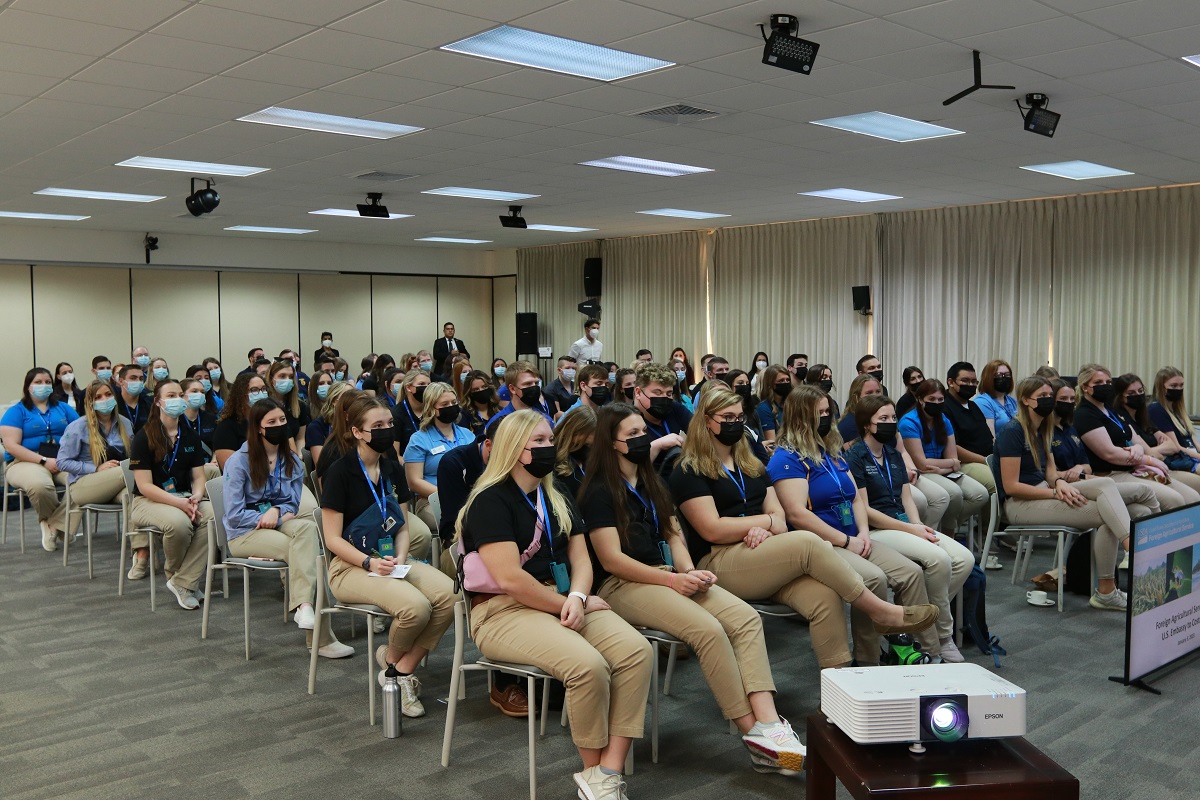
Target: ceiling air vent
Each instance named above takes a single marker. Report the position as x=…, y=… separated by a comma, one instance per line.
x=678, y=114
x=375, y=175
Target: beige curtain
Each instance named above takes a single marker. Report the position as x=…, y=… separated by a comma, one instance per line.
x=1127, y=282
x=654, y=295
x=785, y=289
x=969, y=283
x=550, y=283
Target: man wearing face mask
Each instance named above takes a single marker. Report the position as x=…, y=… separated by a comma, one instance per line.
x=524, y=384
x=972, y=435
x=589, y=349
x=326, y=348
x=141, y=357
x=133, y=404
x=797, y=364
x=870, y=365
x=594, y=391
x=666, y=419
x=715, y=370
x=560, y=394
x=102, y=369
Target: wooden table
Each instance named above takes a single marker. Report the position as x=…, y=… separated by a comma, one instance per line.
x=983, y=769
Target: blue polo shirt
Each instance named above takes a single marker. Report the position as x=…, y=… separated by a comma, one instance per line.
x=428, y=445
x=766, y=415
x=38, y=428
x=829, y=483
x=1000, y=411
x=910, y=427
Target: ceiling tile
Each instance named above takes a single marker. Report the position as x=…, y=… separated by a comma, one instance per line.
x=139, y=76
x=232, y=28
x=508, y=11
x=311, y=12
x=872, y=37
x=412, y=24
x=1027, y=41
x=135, y=15
x=472, y=101
x=55, y=33
x=240, y=90
x=1158, y=73
x=24, y=85
x=1145, y=16
x=387, y=87
x=534, y=84
x=441, y=66
x=1091, y=59
x=598, y=21
x=274, y=68
x=1174, y=43
x=614, y=99
x=116, y=96
x=168, y=51
x=958, y=19
x=346, y=49
x=813, y=16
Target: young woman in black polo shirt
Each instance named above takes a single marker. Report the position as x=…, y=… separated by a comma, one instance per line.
x=646, y=575
x=737, y=529
x=366, y=530
x=167, y=459
x=519, y=532
x=1130, y=402
x=230, y=434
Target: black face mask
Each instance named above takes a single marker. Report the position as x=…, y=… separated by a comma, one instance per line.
x=967, y=392
x=885, y=432
x=382, y=439
x=481, y=396
x=731, y=433
x=742, y=391
x=725, y=379
x=801, y=373
x=419, y=393
x=581, y=455
x=1103, y=393
x=1136, y=401
x=1003, y=384
x=277, y=434
x=448, y=414
x=660, y=407
x=934, y=410
x=542, y=462
x=825, y=425
x=638, y=448
x=628, y=393
x=826, y=386
x=1044, y=407
x=532, y=396
x=782, y=390
x=1064, y=410
x=1173, y=395
x=877, y=374
x=601, y=395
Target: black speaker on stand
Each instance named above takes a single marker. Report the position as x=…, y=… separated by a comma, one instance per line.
x=593, y=276
x=527, y=333
x=862, y=299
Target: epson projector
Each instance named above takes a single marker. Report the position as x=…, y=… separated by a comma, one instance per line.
x=925, y=703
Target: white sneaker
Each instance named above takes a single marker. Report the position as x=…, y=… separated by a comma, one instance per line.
x=410, y=690
x=950, y=652
x=137, y=570
x=993, y=562
x=774, y=747
x=186, y=598
x=335, y=650
x=306, y=618
x=49, y=539
x=1113, y=601
x=378, y=624
x=594, y=784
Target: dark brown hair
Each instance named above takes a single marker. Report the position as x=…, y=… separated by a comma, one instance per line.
x=254, y=444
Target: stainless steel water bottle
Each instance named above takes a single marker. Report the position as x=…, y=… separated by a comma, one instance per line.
x=392, y=727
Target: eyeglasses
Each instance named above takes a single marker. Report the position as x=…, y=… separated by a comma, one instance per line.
x=727, y=417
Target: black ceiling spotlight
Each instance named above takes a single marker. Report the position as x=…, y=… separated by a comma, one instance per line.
x=514, y=218
x=784, y=49
x=1038, y=118
x=204, y=200
x=373, y=208
x=977, y=69
x=150, y=243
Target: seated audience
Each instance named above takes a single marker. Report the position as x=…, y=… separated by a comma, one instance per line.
x=1131, y=404
x=133, y=401
x=776, y=384
x=572, y=443
x=283, y=389
x=102, y=369
x=871, y=365
x=593, y=388
x=863, y=385
x=410, y=404
x=480, y=402
x=913, y=377
x=66, y=390
x=525, y=391
x=1169, y=415
x=995, y=395
x=821, y=376
x=437, y=435
x=666, y=419
x=201, y=373
x=560, y=393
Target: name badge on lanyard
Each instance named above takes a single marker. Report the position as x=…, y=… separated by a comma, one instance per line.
x=562, y=578
x=169, y=484
x=664, y=549
x=845, y=508
x=740, y=484
x=380, y=498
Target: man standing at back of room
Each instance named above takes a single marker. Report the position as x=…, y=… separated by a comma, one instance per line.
x=326, y=348
x=252, y=356
x=447, y=345
x=589, y=349
x=871, y=365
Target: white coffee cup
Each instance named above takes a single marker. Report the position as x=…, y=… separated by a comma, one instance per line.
x=1036, y=597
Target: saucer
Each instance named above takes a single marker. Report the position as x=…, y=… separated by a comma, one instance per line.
x=1046, y=604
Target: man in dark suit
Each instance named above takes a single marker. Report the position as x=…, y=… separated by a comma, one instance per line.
x=447, y=345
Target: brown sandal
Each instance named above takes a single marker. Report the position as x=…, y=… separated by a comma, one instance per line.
x=916, y=618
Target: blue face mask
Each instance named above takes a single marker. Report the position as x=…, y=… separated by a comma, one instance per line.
x=104, y=375
x=174, y=406
x=105, y=406
x=41, y=391
x=680, y=375
x=142, y=361
x=339, y=376
x=284, y=386
x=206, y=384
x=427, y=366
x=196, y=400
x=134, y=387
x=500, y=371
x=215, y=373
x=161, y=373
x=323, y=391
x=254, y=397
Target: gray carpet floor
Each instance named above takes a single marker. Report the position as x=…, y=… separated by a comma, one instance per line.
x=103, y=699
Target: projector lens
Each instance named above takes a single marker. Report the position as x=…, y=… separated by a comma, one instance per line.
x=948, y=721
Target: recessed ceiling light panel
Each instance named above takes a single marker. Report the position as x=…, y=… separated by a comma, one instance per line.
x=328, y=123
x=90, y=195
x=559, y=228
x=200, y=167
x=887, y=126
x=350, y=212
x=645, y=165
x=478, y=194
x=262, y=229
x=1077, y=170
x=852, y=195
x=452, y=240
x=680, y=212
x=35, y=215
x=556, y=54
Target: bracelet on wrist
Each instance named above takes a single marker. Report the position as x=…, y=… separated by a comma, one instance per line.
x=846, y=543
x=366, y=564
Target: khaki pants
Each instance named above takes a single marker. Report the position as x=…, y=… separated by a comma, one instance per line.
x=98, y=487
x=420, y=540
x=1173, y=496
x=1137, y=495
x=885, y=568
x=424, y=511
x=937, y=500
x=605, y=666
x=945, y=564
x=725, y=633
x=1190, y=480
x=38, y=484
x=800, y=570
x=967, y=496
x=982, y=474
x=295, y=542
x=422, y=604
x=185, y=543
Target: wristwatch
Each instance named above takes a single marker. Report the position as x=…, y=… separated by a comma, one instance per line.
x=42, y=461
x=367, y=564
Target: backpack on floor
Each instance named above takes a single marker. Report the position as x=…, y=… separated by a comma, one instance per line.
x=974, y=619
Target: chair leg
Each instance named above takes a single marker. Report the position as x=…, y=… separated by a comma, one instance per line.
x=150, y=563
x=67, y=537
x=958, y=616
x=545, y=704
x=371, y=667
x=451, y=711
x=207, y=597
x=246, y=607
x=21, y=499
x=121, y=573
x=654, y=699
x=87, y=531
x=1060, y=562
x=530, y=691
x=316, y=638
x=287, y=600
x=671, y=657
x=1017, y=558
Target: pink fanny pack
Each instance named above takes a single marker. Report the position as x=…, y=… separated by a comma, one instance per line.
x=474, y=573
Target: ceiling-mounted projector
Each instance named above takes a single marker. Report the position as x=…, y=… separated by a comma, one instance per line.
x=373, y=207
x=915, y=704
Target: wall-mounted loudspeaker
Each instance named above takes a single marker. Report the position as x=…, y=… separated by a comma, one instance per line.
x=862, y=299
x=527, y=335
x=593, y=276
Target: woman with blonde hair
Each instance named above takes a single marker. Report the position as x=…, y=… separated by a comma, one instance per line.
x=156, y=372
x=536, y=606
x=737, y=529
x=572, y=443
x=1169, y=414
x=438, y=434
x=863, y=385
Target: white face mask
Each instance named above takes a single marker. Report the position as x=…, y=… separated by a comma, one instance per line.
x=67, y=378
x=327, y=343
x=760, y=364
x=594, y=332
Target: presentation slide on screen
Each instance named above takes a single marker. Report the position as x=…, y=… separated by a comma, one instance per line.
x=1165, y=611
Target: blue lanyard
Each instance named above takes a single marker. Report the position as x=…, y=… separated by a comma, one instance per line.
x=741, y=485
x=452, y=442
x=836, y=474
x=276, y=480
x=884, y=470
x=411, y=418
x=1118, y=421
x=648, y=506
x=666, y=428
x=390, y=400
x=167, y=464
x=133, y=415
x=380, y=498
x=539, y=511
x=49, y=426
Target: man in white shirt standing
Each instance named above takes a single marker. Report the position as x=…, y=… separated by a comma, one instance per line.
x=589, y=349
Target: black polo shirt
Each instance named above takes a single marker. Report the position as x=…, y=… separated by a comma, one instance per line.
x=970, y=426
x=1089, y=418
x=503, y=513
x=1011, y=443
x=641, y=539
x=884, y=489
x=727, y=496
x=230, y=434
x=456, y=475
x=138, y=413
x=176, y=465
x=344, y=487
